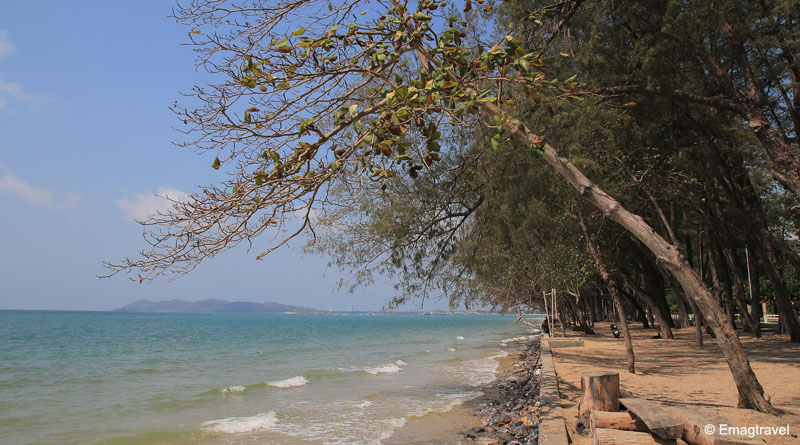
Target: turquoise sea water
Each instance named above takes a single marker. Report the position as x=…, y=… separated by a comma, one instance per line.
x=117, y=378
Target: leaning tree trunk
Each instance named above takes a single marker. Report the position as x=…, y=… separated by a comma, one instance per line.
x=751, y=394
x=638, y=310
x=773, y=268
x=738, y=284
x=683, y=311
x=698, y=326
x=756, y=310
x=613, y=289
x=663, y=324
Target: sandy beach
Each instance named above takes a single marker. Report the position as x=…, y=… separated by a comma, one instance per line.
x=678, y=372
x=668, y=371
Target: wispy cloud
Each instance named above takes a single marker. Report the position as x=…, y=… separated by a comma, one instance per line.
x=6, y=45
x=14, y=92
x=144, y=205
x=40, y=196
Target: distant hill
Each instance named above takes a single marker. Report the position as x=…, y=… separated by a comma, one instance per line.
x=212, y=306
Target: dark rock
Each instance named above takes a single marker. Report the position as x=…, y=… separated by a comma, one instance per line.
x=504, y=418
x=519, y=431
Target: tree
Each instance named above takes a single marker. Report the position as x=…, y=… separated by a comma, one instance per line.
x=315, y=94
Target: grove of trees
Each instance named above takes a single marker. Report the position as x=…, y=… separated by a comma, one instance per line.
x=639, y=157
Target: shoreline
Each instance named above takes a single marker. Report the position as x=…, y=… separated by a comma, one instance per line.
x=506, y=411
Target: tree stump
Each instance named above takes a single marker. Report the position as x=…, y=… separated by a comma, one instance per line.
x=612, y=420
x=599, y=392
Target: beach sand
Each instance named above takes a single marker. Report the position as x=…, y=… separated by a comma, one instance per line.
x=448, y=428
x=676, y=371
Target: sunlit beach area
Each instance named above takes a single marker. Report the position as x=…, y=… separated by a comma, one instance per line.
x=400, y=222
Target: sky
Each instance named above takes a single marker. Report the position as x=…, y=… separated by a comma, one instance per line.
x=86, y=142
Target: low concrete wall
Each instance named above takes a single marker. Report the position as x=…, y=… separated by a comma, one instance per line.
x=552, y=429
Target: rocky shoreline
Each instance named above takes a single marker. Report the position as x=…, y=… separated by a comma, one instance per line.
x=510, y=411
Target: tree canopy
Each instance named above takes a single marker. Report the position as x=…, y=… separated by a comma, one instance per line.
x=419, y=139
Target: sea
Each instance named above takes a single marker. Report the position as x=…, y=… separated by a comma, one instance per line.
x=122, y=378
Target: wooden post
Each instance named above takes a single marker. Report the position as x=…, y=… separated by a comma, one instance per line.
x=547, y=315
x=599, y=392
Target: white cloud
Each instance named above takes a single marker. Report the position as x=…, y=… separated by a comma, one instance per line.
x=6, y=45
x=11, y=91
x=38, y=195
x=144, y=205
x=15, y=91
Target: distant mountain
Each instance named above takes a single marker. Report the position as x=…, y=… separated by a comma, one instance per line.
x=212, y=306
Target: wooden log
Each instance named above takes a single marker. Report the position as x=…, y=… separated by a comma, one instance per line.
x=599, y=392
x=695, y=420
x=657, y=421
x=605, y=436
x=612, y=420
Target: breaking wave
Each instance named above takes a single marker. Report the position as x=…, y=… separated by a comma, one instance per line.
x=289, y=383
x=242, y=424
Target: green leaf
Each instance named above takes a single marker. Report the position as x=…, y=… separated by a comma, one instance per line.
x=334, y=166
x=299, y=32
x=216, y=164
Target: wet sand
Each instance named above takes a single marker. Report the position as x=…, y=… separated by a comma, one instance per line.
x=676, y=371
x=448, y=428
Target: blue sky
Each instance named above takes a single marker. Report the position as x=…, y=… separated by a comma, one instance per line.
x=85, y=142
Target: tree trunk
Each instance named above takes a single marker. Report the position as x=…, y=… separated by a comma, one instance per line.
x=728, y=286
x=756, y=311
x=712, y=265
x=638, y=310
x=698, y=326
x=751, y=393
x=683, y=311
x=613, y=289
x=740, y=292
x=775, y=275
x=663, y=324
x=599, y=392
x=612, y=419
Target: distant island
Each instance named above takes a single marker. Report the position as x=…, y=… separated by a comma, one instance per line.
x=212, y=306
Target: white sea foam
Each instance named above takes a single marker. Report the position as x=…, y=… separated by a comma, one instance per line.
x=364, y=404
x=289, y=383
x=393, y=424
x=391, y=368
x=234, y=388
x=400, y=363
x=242, y=424
x=483, y=370
x=460, y=337
x=514, y=339
x=451, y=349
